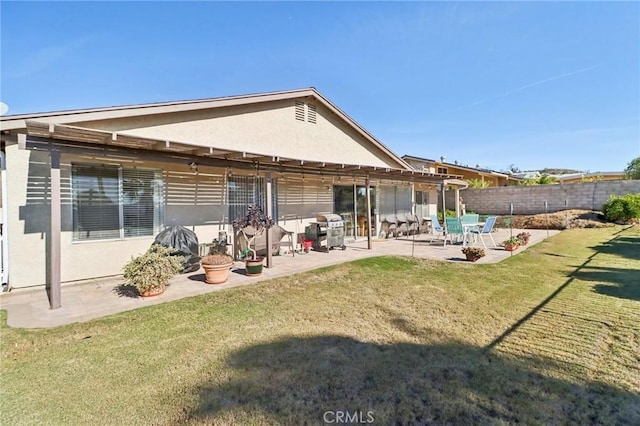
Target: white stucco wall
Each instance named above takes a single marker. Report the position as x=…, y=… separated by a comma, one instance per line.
x=268, y=128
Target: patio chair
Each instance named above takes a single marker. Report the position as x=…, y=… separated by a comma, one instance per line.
x=403, y=227
x=388, y=226
x=454, y=229
x=470, y=219
x=486, y=230
x=276, y=234
x=437, y=228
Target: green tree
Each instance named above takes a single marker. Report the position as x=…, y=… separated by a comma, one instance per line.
x=633, y=169
x=478, y=183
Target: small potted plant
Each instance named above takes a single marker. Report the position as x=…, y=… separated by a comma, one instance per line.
x=473, y=253
x=250, y=227
x=511, y=244
x=217, y=263
x=524, y=238
x=150, y=272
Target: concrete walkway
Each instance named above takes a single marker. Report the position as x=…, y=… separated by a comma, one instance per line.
x=29, y=308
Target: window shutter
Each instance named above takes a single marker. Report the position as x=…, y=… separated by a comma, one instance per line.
x=96, y=212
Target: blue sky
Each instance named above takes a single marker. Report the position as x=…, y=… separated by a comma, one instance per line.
x=534, y=84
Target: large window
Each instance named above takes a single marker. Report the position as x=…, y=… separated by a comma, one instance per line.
x=110, y=202
x=245, y=190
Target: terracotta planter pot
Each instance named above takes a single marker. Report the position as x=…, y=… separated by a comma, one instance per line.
x=254, y=267
x=155, y=291
x=216, y=274
x=472, y=258
x=510, y=247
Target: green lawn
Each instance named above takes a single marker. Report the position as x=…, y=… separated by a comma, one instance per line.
x=550, y=336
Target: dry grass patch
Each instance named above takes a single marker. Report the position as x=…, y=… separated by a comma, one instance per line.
x=548, y=336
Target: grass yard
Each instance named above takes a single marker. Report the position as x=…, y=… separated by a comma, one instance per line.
x=550, y=336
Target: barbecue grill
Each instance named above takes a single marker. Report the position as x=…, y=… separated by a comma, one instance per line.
x=329, y=228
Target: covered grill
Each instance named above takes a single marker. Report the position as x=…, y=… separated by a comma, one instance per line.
x=328, y=227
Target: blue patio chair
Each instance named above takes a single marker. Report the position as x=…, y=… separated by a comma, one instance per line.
x=486, y=230
x=437, y=228
x=454, y=229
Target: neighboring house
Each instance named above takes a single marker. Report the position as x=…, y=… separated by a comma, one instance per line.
x=532, y=174
x=492, y=177
x=84, y=190
x=589, y=177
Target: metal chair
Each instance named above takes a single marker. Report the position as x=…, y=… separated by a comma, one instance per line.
x=454, y=228
x=486, y=230
x=437, y=228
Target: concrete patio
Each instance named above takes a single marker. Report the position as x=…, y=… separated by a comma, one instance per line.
x=29, y=308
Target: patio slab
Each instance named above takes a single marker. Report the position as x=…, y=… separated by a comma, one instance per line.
x=83, y=301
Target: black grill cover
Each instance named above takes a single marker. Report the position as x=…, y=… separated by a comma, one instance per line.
x=186, y=244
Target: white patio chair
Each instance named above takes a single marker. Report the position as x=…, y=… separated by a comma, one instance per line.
x=486, y=230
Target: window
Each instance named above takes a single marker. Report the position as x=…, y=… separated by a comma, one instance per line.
x=443, y=170
x=110, y=202
x=245, y=190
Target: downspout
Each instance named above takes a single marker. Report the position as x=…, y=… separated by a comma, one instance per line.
x=5, y=224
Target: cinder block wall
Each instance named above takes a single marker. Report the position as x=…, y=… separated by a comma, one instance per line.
x=530, y=199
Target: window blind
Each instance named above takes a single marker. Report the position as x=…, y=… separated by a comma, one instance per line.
x=96, y=210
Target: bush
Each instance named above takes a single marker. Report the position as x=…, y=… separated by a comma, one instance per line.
x=153, y=269
x=622, y=208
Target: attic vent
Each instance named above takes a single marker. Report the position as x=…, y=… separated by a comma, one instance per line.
x=311, y=113
x=300, y=110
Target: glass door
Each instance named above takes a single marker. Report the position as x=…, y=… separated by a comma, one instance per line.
x=361, y=204
x=343, y=204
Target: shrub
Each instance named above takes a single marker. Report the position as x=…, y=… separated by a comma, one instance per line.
x=153, y=269
x=622, y=208
x=473, y=253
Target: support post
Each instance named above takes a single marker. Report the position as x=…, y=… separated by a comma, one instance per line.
x=368, y=195
x=444, y=206
x=54, y=238
x=269, y=202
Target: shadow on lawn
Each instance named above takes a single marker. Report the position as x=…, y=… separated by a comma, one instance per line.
x=297, y=380
x=621, y=282
x=627, y=246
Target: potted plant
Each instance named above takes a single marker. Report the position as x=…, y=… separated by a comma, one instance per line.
x=473, y=253
x=250, y=227
x=217, y=263
x=511, y=244
x=524, y=238
x=150, y=272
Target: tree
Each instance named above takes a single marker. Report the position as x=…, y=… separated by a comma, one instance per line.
x=478, y=183
x=633, y=169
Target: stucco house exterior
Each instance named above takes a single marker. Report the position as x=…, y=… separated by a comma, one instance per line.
x=491, y=177
x=588, y=177
x=84, y=190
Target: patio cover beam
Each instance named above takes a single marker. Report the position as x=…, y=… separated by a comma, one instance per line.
x=64, y=134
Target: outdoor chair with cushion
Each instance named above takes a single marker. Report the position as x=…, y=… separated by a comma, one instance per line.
x=403, y=225
x=276, y=234
x=388, y=226
x=486, y=230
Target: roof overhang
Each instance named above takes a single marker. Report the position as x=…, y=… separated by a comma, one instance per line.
x=47, y=136
x=18, y=123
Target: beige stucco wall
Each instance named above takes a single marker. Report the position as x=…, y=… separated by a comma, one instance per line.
x=196, y=201
x=29, y=217
x=267, y=128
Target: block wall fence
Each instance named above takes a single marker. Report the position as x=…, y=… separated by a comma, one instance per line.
x=530, y=199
